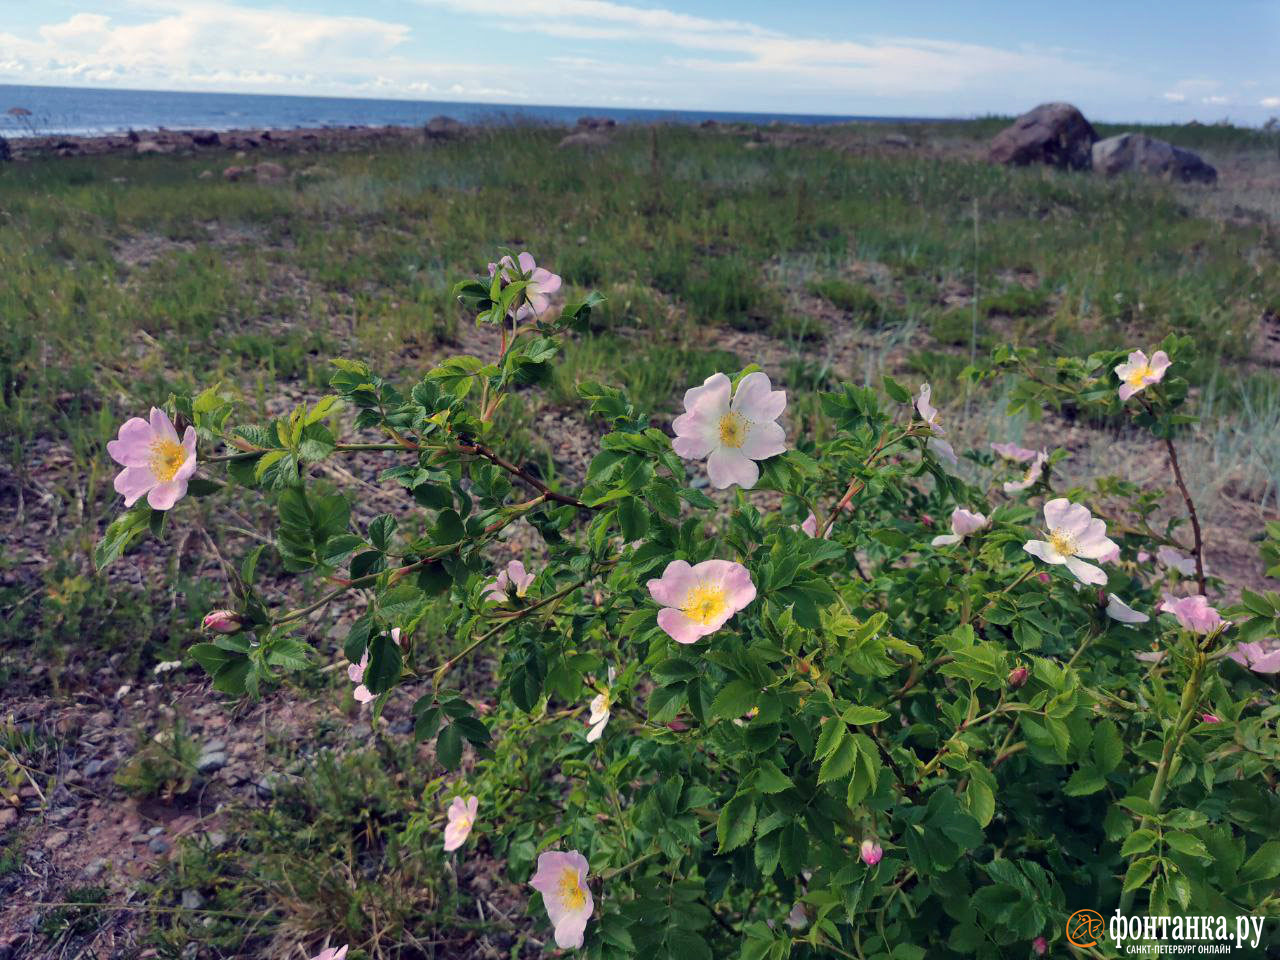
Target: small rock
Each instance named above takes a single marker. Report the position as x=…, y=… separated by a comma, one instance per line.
x=155, y=831
x=209, y=762
x=896, y=140
x=266, y=786
x=56, y=839
x=97, y=767
x=217, y=745
x=95, y=869
x=191, y=900
x=586, y=140
x=205, y=175
x=8, y=817
x=139, y=838
x=444, y=128
x=233, y=173
x=217, y=839
x=268, y=172
x=191, y=951
x=152, y=147
x=158, y=845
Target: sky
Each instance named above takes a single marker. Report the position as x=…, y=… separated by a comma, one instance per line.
x=1118, y=60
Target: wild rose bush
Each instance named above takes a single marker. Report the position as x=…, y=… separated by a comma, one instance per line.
x=856, y=705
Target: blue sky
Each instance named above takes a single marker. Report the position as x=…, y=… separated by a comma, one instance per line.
x=1118, y=60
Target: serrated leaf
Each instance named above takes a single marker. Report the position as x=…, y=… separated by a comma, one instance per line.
x=736, y=822
x=861, y=716
x=839, y=763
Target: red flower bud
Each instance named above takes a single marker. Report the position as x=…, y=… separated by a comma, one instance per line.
x=1018, y=677
x=223, y=621
x=1040, y=946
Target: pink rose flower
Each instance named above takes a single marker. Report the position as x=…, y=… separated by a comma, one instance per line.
x=870, y=852
x=963, y=523
x=561, y=878
x=1032, y=475
x=1011, y=451
x=542, y=283
x=1176, y=560
x=1139, y=373
x=1040, y=946
x=1258, y=657
x=332, y=953
x=514, y=576
x=697, y=601
x=933, y=420
x=1209, y=718
x=797, y=919
x=810, y=526
x=155, y=461
x=601, y=709
x=1143, y=556
x=1074, y=536
x=1112, y=556
x=462, y=817
x=222, y=621
x=731, y=432
x=1194, y=613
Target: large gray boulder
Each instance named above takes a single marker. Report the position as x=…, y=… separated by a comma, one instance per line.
x=1056, y=134
x=1140, y=153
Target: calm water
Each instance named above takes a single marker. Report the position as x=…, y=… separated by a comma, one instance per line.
x=83, y=111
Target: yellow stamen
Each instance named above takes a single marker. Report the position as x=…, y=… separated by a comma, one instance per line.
x=704, y=603
x=1064, y=543
x=167, y=458
x=1138, y=377
x=733, y=430
x=571, y=893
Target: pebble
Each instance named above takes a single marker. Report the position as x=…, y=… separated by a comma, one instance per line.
x=191, y=900
x=94, y=870
x=56, y=839
x=209, y=762
x=217, y=839
x=158, y=845
x=140, y=838
x=95, y=767
x=8, y=817
x=155, y=831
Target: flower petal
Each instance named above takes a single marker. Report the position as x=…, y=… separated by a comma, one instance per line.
x=133, y=446
x=680, y=628
x=1044, y=550
x=764, y=440
x=1086, y=572
x=712, y=397
x=756, y=399
x=727, y=466
x=164, y=495
x=133, y=482
x=674, y=585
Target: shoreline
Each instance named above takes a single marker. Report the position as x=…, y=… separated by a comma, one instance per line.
x=442, y=128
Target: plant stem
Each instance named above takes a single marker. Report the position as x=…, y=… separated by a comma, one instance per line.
x=480, y=450
x=1190, y=697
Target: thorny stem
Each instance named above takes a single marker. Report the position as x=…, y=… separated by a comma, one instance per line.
x=856, y=484
x=480, y=450
x=1198, y=550
x=514, y=618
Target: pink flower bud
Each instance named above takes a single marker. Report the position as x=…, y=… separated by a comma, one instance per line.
x=1210, y=718
x=1043, y=577
x=870, y=852
x=1040, y=946
x=1018, y=677
x=222, y=621
x=679, y=726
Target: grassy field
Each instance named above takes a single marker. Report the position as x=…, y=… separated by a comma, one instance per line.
x=825, y=255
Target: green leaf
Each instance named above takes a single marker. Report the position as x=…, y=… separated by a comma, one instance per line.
x=737, y=821
x=840, y=761
x=769, y=779
x=1139, y=872
x=833, y=731
x=1083, y=782
x=1140, y=841
x=123, y=530
x=861, y=716
x=1263, y=865
x=384, y=664
x=449, y=747
x=212, y=657
x=1108, y=750
x=734, y=699
x=1188, y=844
x=633, y=517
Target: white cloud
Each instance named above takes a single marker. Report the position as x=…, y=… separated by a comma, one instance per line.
x=213, y=45
x=1215, y=100
x=1175, y=97
x=1271, y=103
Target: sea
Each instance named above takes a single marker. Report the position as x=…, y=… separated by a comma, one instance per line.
x=87, y=111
